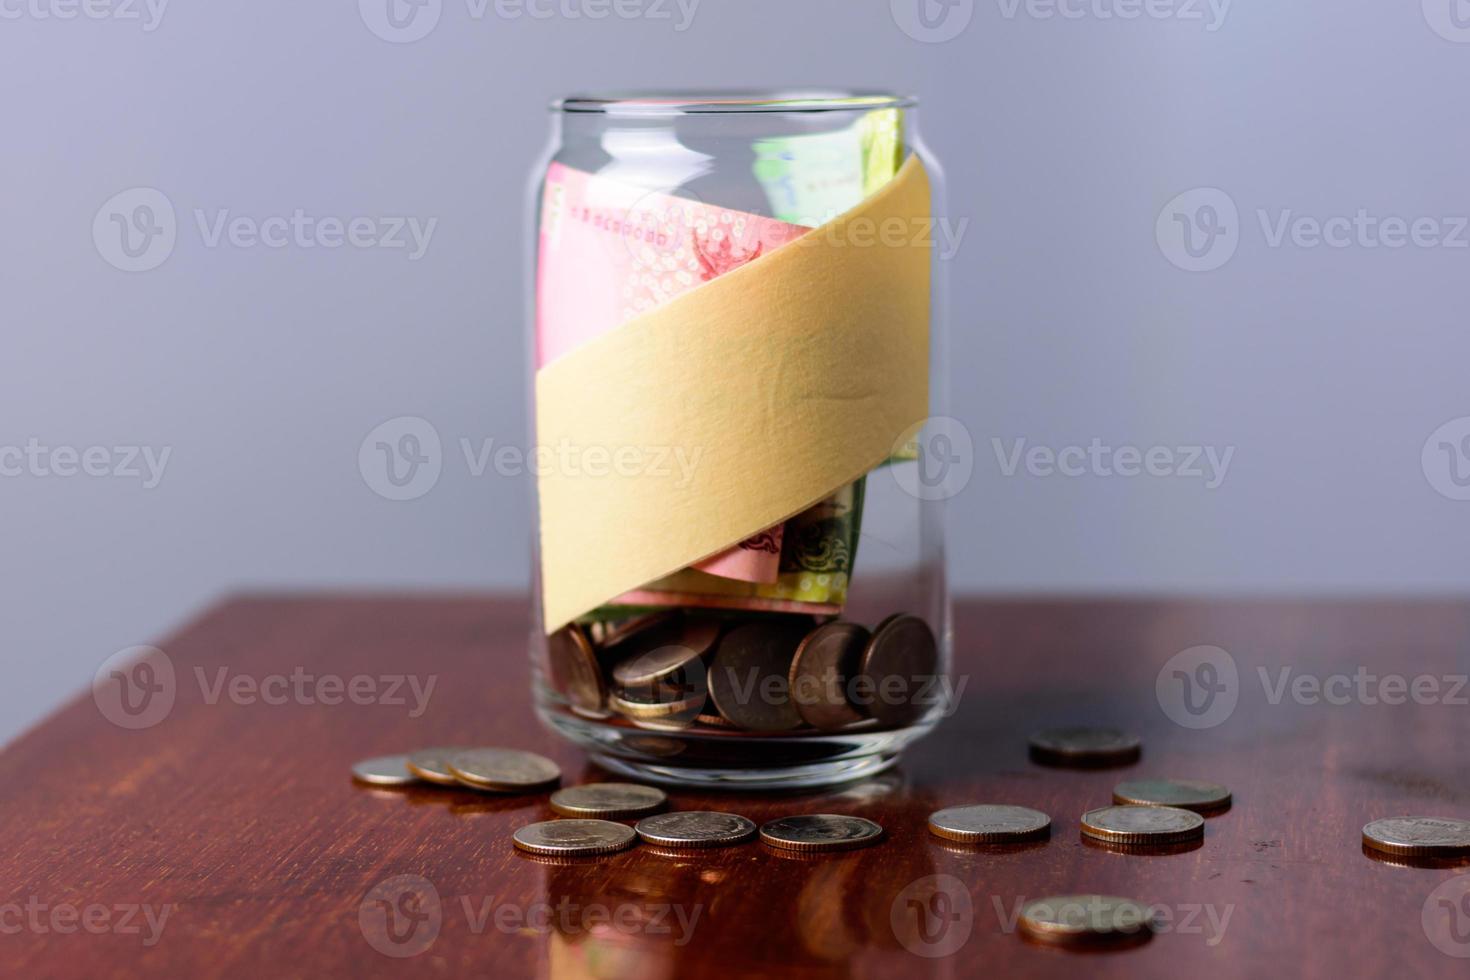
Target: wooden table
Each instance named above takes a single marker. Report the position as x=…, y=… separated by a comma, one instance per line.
x=239, y=818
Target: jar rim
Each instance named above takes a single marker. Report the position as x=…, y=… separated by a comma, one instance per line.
x=733, y=101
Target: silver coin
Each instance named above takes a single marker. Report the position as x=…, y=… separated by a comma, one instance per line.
x=1419, y=836
x=1082, y=920
x=990, y=824
x=608, y=801
x=820, y=832
x=1143, y=824
x=503, y=770
x=385, y=770
x=573, y=837
x=695, y=828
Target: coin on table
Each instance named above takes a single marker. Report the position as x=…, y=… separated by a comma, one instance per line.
x=574, y=838
x=1085, y=747
x=825, y=660
x=433, y=765
x=1419, y=836
x=1186, y=794
x=608, y=801
x=820, y=832
x=899, y=668
x=695, y=828
x=748, y=677
x=385, y=770
x=503, y=770
x=1143, y=825
x=990, y=824
x=575, y=673
x=1086, y=920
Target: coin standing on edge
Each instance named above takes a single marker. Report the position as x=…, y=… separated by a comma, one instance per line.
x=1419, y=836
x=695, y=828
x=608, y=801
x=1186, y=794
x=1143, y=825
x=1086, y=920
x=575, y=672
x=573, y=838
x=749, y=676
x=503, y=770
x=990, y=824
x=825, y=659
x=902, y=647
x=1085, y=747
x=433, y=765
x=385, y=770
x=820, y=832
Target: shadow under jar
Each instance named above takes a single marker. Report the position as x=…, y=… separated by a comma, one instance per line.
x=741, y=459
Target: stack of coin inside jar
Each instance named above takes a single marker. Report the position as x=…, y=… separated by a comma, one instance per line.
x=685, y=670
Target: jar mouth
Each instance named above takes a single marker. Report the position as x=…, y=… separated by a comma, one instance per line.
x=694, y=103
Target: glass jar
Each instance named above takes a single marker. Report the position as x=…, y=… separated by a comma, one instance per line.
x=737, y=360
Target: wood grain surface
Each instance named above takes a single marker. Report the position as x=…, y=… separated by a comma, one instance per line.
x=227, y=839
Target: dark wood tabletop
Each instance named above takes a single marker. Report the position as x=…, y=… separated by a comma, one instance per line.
x=226, y=839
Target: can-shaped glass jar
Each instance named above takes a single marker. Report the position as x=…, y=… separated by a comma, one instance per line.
x=737, y=346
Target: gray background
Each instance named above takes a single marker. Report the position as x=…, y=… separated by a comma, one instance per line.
x=1063, y=138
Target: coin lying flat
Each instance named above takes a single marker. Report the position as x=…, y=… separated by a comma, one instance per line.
x=608, y=801
x=575, y=672
x=503, y=770
x=1085, y=920
x=748, y=677
x=820, y=832
x=1186, y=794
x=659, y=715
x=899, y=668
x=433, y=765
x=825, y=659
x=1143, y=825
x=568, y=838
x=990, y=824
x=1085, y=747
x=695, y=828
x=1419, y=836
x=676, y=665
x=385, y=770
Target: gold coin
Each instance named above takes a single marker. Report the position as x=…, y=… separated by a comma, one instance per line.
x=1419, y=836
x=571, y=838
x=503, y=770
x=608, y=801
x=575, y=671
x=1186, y=794
x=695, y=828
x=1085, y=747
x=1143, y=824
x=990, y=824
x=433, y=765
x=820, y=832
x=385, y=770
x=1086, y=920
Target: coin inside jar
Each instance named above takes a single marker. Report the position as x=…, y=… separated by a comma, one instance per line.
x=990, y=824
x=1186, y=794
x=660, y=715
x=1085, y=747
x=1143, y=825
x=1085, y=920
x=898, y=670
x=673, y=670
x=1419, y=836
x=385, y=770
x=573, y=838
x=695, y=829
x=503, y=770
x=608, y=801
x=637, y=626
x=820, y=832
x=825, y=660
x=433, y=765
x=575, y=671
x=748, y=678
